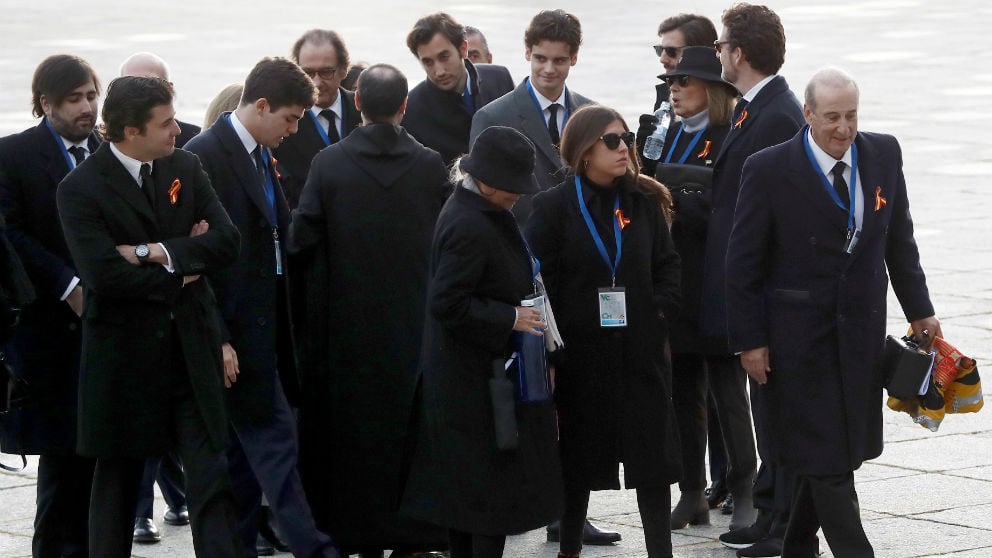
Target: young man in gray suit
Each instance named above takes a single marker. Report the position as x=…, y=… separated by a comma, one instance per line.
x=540, y=106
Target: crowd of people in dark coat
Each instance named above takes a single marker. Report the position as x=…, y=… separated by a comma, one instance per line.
x=313, y=322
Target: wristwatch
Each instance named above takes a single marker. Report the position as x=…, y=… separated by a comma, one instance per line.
x=141, y=252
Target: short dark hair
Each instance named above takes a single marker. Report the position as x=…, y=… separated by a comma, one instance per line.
x=469, y=30
x=758, y=32
x=320, y=37
x=350, y=81
x=56, y=77
x=129, y=102
x=696, y=29
x=428, y=26
x=554, y=25
x=381, y=89
x=280, y=82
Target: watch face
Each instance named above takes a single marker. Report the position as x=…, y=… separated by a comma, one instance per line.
x=141, y=251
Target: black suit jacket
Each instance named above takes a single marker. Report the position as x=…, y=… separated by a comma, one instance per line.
x=438, y=119
x=773, y=117
x=45, y=352
x=297, y=151
x=517, y=110
x=247, y=291
x=821, y=312
x=137, y=318
x=188, y=132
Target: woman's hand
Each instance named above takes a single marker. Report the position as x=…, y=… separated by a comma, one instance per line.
x=529, y=321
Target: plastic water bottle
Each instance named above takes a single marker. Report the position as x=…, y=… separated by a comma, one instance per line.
x=654, y=145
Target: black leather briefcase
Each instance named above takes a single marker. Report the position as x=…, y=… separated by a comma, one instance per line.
x=905, y=367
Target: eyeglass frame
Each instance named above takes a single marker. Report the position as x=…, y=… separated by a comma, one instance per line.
x=627, y=138
x=658, y=49
x=682, y=80
x=718, y=45
x=327, y=72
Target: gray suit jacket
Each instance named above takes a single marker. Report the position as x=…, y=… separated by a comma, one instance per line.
x=517, y=110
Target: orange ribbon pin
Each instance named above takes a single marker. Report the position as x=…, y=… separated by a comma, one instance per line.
x=275, y=167
x=879, y=200
x=174, y=191
x=621, y=220
x=741, y=120
x=706, y=150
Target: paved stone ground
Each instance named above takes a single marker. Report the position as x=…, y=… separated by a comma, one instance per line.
x=924, y=74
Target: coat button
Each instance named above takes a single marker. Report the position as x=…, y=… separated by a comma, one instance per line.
x=261, y=321
x=841, y=317
x=812, y=240
x=73, y=327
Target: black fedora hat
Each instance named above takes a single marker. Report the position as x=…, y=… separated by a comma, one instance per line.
x=699, y=62
x=502, y=158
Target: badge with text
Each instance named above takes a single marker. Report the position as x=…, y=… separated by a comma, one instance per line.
x=613, y=307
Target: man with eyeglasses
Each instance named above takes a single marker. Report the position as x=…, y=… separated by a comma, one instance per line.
x=440, y=108
x=324, y=57
x=751, y=50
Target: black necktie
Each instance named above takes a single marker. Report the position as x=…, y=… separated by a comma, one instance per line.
x=840, y=185
x=78, y=153
x=332, y=130
x=146, y=183
x=553, y=124
x=738, y=111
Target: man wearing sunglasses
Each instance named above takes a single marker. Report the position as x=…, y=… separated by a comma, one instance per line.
x=324, y=57
x=440, y=109
x=751, y=50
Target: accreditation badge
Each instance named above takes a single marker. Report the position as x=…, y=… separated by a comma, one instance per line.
x=613, y=307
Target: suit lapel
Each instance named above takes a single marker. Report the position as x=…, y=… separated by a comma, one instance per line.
x=532, y=124
x=770, y=90
x=807, y=180
x=870, y=165
x=123, y=184
x=241, y=165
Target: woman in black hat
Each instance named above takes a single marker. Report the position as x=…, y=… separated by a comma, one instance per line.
x=612, y=275
x=704, y=104
x=481, y=270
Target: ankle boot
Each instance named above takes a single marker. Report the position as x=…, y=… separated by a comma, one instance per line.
x=692, y=509
x=744, y=513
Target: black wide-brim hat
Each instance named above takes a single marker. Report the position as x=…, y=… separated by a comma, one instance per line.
x=504, y=159
x=699, y=62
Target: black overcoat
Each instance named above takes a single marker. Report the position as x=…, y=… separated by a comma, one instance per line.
x=248, y=292
x=820, y=311
x=613, y=402
x=45, y=350
x=363, y=231
x=479, y=272
x=135, y=317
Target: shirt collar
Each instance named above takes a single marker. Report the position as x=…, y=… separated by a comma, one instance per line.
x=132, y=166
x=335, y=107
x=243, y=134
x=825, y=160
x=545, y=102
x=753, y=92
x=468, y=78
x=84, y=144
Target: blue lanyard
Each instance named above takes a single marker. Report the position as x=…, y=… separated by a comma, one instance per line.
x=65, y=152
x=270, y=187
x=568, y=105
x=688, y=149
x=595, y=234
x=830, y=187
x=536, y=265
x=320, y=128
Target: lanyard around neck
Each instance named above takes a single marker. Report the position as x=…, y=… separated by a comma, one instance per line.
x=320, y=128
x=595, y=233
x=65, y=152
x=688, y=149
x=540, y=110
x=830, y=187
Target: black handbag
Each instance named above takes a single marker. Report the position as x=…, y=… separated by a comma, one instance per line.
x=501, y=393
x=905, y=366
x=679, y=177
x=13, y=393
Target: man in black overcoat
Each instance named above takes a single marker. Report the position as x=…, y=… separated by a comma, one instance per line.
x=820, y=220
x=363, y=230
x=253, y=301
x=751, y=49
x=143, y=224
x=45, y=350
x=439, y=112
x=324, y=57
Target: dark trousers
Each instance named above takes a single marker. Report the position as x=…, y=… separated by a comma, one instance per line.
x=689, y=402
x=63, y=500
x=168, y=471
x=832, y=503
x=727, y=385
x=211, y=503
x=714, y=444
x=263, y=460
x=653, y=503
x=471, y=545
x=773, y=485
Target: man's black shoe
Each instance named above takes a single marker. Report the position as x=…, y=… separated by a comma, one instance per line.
x=769, y=547
x=262, y=547
x=743, y=538
x=591, y=535
x=727, y=507
x=145, y=531
x=716, y=494
x=177, y=516
x=267, y=530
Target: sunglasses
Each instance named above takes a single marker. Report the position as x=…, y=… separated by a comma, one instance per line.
x=324, y=73
x=718, y=45
x=683, y=81
x=671, y=51
x=612, y=141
